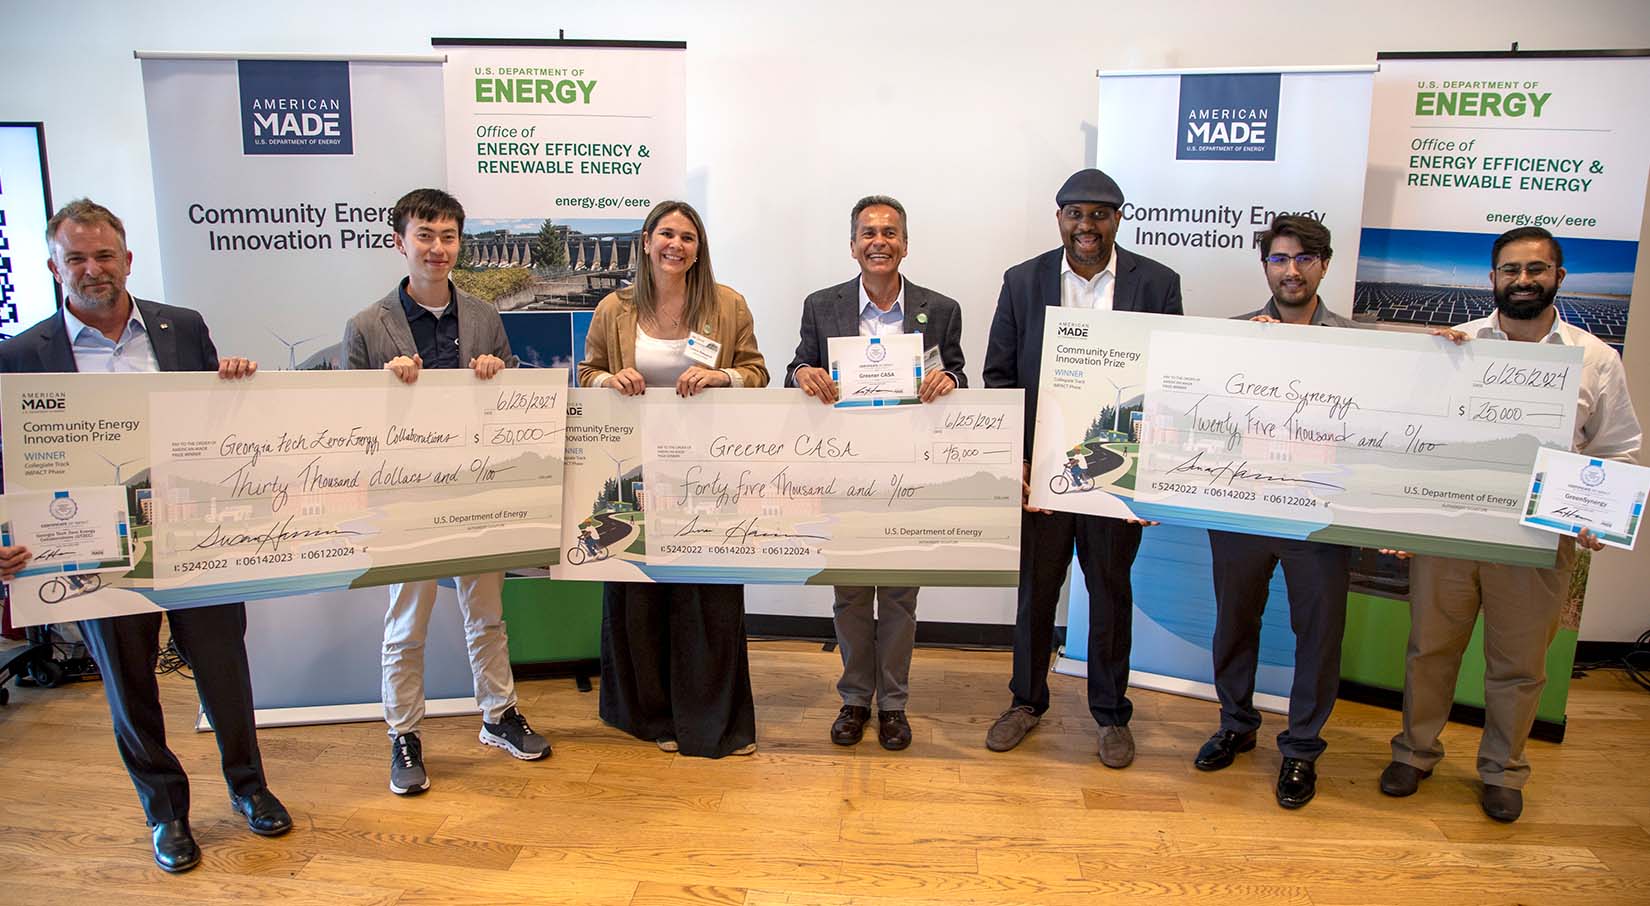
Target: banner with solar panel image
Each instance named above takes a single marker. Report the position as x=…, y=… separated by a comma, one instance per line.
x=1464, y=147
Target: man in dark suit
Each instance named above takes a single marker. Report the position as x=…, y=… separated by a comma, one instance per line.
x=103, y=328
x=1089, y=271
x=876, y=649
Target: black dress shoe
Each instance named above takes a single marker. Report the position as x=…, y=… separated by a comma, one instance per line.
x=1297, y=782
x=264, y=814
x=849, y=727
x=1503, y=803
x=175, y=848
x=1222, y=748
x=893, y=731
x=1399, y=779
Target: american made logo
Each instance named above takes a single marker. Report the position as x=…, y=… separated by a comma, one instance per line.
x=1228, y=117
x=295, y=107
x=46, y=401
x=1072, y=330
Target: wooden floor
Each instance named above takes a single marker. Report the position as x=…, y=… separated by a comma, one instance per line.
x=609, y=820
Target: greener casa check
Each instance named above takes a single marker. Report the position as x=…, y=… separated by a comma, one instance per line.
x=293, y=482
x=771, y=486
x=1358, y=437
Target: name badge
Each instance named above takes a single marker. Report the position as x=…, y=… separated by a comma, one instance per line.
x=931, y=361
x=703, y=349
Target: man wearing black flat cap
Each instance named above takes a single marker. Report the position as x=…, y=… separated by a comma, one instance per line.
x=1089, y=271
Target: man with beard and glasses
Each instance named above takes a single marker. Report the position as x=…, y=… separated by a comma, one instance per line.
x=1088, y=271
x=1294, y=254
x=1520, y=604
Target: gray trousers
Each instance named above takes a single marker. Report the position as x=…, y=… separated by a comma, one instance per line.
x=1521, y=607
x=407, y=622
x=876, y=647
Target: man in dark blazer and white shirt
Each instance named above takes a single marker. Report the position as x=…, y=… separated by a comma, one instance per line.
x=103, y=328
x=1089, y=271
x=876, y=650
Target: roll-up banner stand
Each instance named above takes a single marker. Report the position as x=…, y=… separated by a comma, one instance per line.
x=1463, y=147
x=1205, y=159
x=558, y=149
x=274, y=177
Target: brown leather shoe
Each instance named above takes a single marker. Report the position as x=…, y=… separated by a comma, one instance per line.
x=849, y=727
x=1116, y=747
x=1399, y=779
x=1010, y=728
x=893, y=730
x=1503, y=803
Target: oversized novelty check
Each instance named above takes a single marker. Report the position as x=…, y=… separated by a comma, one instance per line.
x=771, y=486
x=1359, y=437
x=293, y=482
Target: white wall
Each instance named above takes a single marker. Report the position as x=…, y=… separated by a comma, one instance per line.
x=970, y=113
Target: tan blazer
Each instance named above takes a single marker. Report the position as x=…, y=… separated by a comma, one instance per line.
x=611, y=344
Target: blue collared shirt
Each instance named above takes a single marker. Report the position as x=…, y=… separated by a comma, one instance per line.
x=874, y=322
x=435, y=336
x=94, y=352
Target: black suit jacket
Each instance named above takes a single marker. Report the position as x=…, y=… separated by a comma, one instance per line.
x=177, y=335
x=834, y=312
x=1014, y=351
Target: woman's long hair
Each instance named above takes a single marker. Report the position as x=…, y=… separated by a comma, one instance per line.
x=701, y=282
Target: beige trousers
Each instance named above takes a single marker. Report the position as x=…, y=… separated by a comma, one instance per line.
x=1521, y=607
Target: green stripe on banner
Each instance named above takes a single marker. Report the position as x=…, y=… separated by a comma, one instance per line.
x=1432, y=545
x=983, y=578
x=462, y=566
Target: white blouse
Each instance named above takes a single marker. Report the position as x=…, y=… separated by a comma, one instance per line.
x=661, y=362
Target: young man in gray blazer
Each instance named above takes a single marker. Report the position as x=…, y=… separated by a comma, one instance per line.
x=425, y=322
x=876, y=648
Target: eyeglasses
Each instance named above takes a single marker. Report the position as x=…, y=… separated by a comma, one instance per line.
x=1303, y=260
x=1534, y=269
x=1098, y=214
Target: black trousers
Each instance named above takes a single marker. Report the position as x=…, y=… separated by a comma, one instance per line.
x=1105, y=549
x=1317, y=578
x=213, y=642
x=674, y=665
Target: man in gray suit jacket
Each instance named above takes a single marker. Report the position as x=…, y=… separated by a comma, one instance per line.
x=425, y=322
x=876, y=650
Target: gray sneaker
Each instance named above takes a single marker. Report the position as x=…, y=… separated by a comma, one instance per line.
x=1116, y=747
x=512, y=734
x=407, y=775
x=1010, y=728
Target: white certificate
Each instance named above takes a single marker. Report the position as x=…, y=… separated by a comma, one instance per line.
x=876, y=371
x=1570, y=492
x=73, y=530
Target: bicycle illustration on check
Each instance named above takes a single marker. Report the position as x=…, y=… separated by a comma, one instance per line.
x=57, y=588
x=1070, y=479
x=589, y=548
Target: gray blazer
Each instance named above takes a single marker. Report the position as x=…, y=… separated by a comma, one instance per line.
x=380, y=333
x=834, y=312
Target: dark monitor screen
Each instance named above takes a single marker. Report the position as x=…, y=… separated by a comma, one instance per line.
x=27, y=291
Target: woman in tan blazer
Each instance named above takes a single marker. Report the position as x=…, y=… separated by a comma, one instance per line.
x=674, y=665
